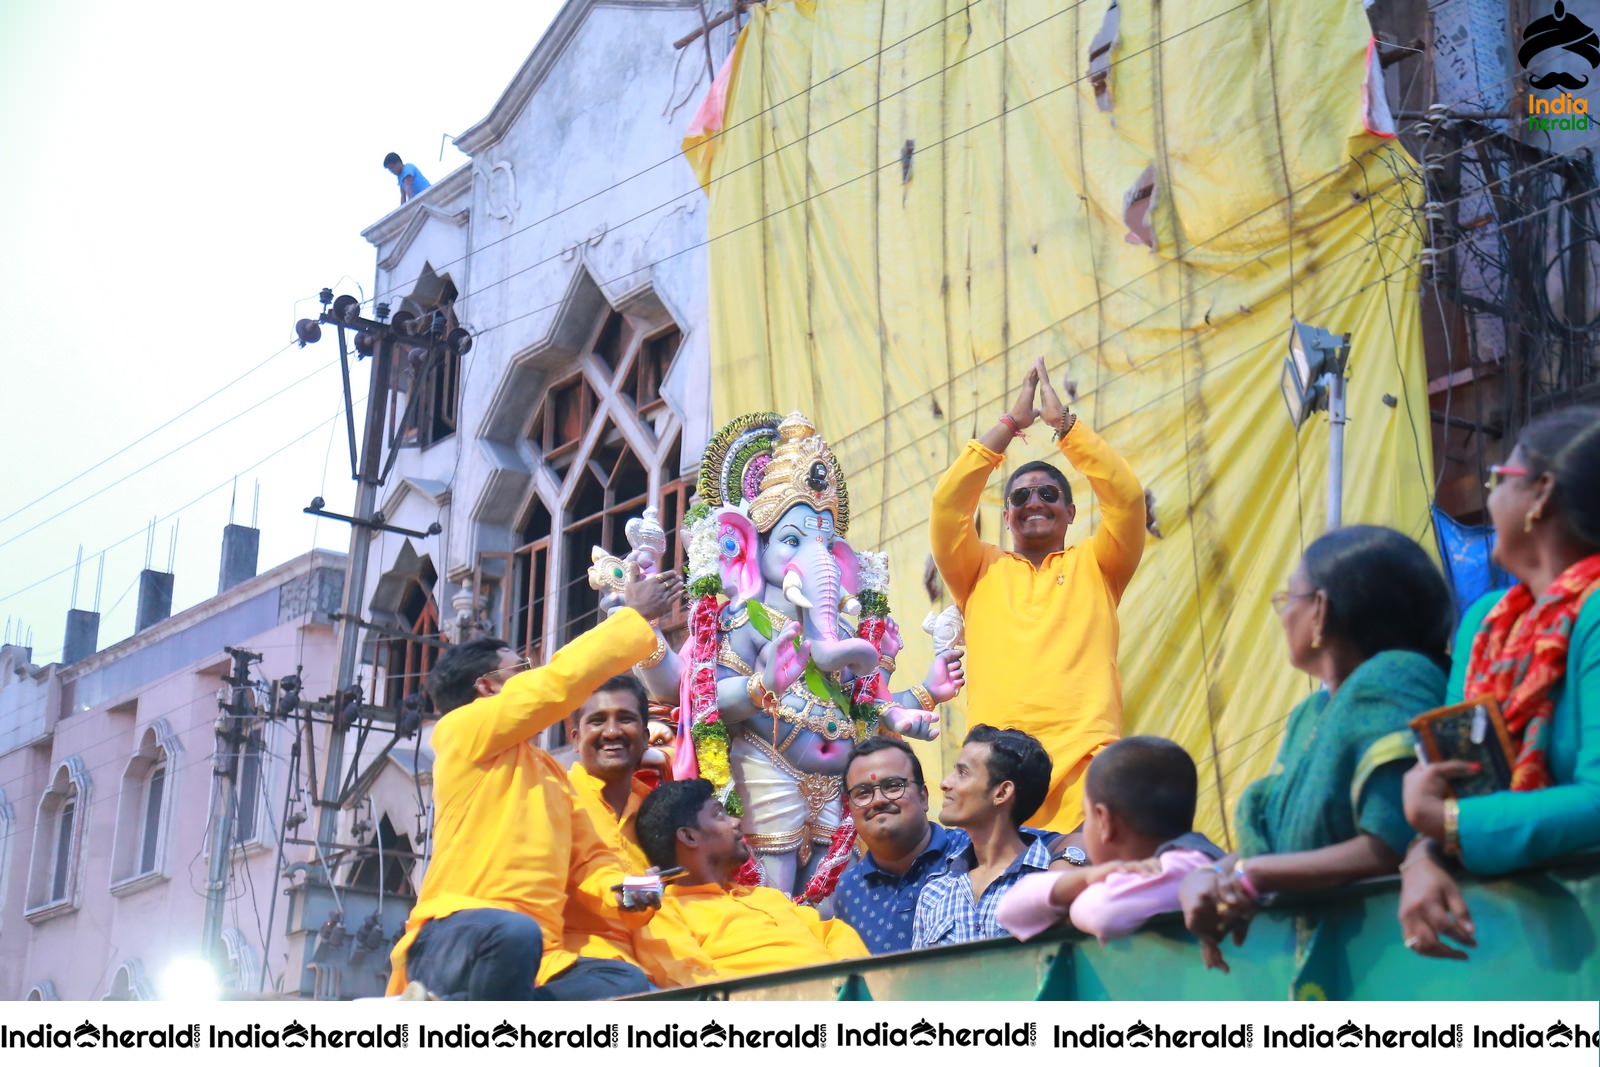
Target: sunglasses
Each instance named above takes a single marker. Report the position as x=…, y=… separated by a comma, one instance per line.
x=514, y=668
x=1499, y=473
x=891, y=788
x=1048, y=494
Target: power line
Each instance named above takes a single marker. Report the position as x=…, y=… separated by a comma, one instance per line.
x=181, y=508
x=145, y=437
x=168, y=454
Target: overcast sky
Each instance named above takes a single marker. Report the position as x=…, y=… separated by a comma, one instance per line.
x=180, y=179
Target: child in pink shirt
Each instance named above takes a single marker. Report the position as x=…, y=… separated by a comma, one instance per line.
x=1138, y=831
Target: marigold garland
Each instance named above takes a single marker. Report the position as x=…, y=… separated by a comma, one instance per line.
x=705, y=719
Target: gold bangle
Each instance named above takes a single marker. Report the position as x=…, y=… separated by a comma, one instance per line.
x=887, y=663
x=655, y=657
x=760, y=695
x=924, y=697
x=1452, y=826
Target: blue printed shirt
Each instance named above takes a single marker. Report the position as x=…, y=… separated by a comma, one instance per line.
x=881, y=905
x=946, y=912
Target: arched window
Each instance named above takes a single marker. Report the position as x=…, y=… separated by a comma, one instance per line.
x=45, y=990
x=244, y=962
x=395, y=870
x=55, y=868
x=144, y=811
x=427, y=381
x=407, y=660
x=130, y=983
x=610, y=443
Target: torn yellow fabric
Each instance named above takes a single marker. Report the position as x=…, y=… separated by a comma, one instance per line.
x=912, y=200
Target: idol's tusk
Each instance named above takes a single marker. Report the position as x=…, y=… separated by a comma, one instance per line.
x=792, y=593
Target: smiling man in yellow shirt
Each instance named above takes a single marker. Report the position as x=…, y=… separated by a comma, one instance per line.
x=1041, y=621
x=513, y=851
x=611, y=733
x=744, y=930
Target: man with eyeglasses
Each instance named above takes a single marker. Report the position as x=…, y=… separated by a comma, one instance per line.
x=888, y=800
x=514, y=853
x=1043, y=605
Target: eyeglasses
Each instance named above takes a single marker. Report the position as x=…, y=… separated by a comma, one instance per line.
x=510, y=669
x=1498, y=473
x=1020, y=496
x=1282, y=597
x=891, y=788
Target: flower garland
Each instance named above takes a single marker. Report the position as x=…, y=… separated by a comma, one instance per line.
x=872, y=689
x=709, y=734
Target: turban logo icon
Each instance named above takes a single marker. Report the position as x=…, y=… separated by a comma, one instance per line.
x=1559, y=30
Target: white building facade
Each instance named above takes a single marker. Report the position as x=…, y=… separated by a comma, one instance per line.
x=572, y=247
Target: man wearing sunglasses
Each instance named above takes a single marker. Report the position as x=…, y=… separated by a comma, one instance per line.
x=1045, y=605
x=514, y=853
x=887, y=799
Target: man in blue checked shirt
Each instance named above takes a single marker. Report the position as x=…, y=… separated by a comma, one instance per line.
x=888, y=800
x=998, y=782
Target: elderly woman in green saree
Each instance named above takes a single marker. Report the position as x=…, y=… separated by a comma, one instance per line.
x=1369, y=614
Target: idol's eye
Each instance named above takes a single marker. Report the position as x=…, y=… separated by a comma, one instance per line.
x=791, y=540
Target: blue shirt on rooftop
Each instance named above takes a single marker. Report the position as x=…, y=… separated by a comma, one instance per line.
x=418, y=182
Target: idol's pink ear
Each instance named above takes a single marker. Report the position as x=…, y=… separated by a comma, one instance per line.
x=739, y=552
x=849, y=567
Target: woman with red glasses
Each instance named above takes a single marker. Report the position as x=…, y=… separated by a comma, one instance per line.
x=1535, y=648
x=1368, y=614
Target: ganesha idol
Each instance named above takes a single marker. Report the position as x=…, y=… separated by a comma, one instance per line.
x=775, y=685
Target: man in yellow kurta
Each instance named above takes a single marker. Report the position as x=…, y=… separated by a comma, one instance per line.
x=610, y=733
x=513, y=851
x=743, y=929
x=1041, y=621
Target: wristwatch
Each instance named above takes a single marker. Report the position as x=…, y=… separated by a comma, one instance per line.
x=1073, y=855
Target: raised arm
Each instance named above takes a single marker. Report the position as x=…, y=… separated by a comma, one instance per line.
x=533, y=700
x=1119, y=542
x=538, y=698
x=957, y=550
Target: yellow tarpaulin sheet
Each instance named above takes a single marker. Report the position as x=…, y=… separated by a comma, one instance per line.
x=913, y=199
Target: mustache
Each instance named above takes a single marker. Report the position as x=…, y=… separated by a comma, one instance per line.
x=1557, y=80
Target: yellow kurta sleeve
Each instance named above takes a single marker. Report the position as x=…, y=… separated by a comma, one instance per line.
x=535, y=699
x=958, y=552
x=1119, y=542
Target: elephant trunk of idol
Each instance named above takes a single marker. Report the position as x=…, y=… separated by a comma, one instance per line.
x=820, y=617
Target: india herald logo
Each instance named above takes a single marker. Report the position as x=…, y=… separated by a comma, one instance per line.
x=1559, y=30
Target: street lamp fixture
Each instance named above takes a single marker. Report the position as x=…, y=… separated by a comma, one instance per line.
x=1313, y=379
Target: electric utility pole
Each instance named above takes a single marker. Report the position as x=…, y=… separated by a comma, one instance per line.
x=234, y=730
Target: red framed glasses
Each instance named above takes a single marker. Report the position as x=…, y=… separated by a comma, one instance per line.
x=1499, y=472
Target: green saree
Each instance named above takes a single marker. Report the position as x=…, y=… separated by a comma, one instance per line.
x=1339, y=770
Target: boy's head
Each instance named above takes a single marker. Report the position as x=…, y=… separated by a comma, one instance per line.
x=683, y=824
x=1138, y=795
x=391, y=163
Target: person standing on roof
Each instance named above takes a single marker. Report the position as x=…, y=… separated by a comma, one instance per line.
x=410, y=178
x=1050, y=607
